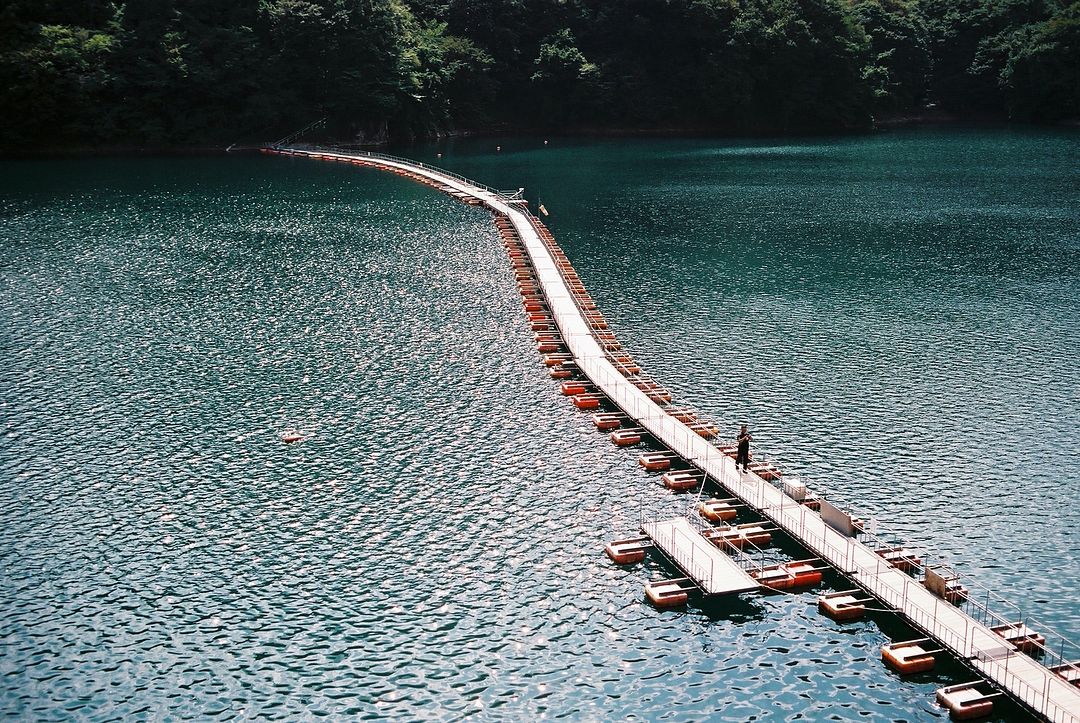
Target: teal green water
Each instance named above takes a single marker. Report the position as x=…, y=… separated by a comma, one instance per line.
x=898, y=317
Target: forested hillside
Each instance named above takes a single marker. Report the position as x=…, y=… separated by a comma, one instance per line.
x=175, y=72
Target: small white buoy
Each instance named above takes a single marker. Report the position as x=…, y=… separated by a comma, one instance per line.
x=498, y=148
x=545, y=143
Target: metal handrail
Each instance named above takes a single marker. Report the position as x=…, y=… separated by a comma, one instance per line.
x=293, y=136
x=355, y=152
x=742, y=557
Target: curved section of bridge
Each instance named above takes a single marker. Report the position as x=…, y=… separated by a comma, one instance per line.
x=1044, y=679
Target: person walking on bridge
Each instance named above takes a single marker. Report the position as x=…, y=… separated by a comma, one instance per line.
x=742, y=456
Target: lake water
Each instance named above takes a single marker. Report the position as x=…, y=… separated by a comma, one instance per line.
x=897, y=317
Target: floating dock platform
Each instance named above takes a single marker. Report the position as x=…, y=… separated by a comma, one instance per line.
x=712, y=571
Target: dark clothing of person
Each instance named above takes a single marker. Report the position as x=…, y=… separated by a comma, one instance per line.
x=742, y=456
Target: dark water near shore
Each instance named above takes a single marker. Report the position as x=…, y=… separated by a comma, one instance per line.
x=898, y=317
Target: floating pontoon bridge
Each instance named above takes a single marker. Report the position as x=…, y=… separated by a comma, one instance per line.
x=1042, y=675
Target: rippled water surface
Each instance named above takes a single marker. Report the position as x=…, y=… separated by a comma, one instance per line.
x=898, y=317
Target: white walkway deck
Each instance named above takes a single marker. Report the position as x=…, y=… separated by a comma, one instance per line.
x=703, y=562
x=1043, y=691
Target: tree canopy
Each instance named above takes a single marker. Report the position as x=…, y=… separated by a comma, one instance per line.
x=206, y=71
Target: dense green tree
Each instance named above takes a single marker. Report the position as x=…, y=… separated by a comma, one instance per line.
x=450, y=79
x=209, y=71
x=1042, y=72
x=965, y=35
x=53, y=70
x=347, y=59
x=564, y=82
x=667, y=64
x=899, y=65
x=806, y=57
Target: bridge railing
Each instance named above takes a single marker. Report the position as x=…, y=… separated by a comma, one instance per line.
x=749, y=557
x=795, y=516
x=982, y=603
x=983, y=606
x=345, y=150
x=684, y=555
x=1035, y=695
x=895, y=591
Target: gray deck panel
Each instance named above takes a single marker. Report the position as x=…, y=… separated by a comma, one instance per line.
x=703, y=562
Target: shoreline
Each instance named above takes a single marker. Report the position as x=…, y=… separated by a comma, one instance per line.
x=881, y=125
